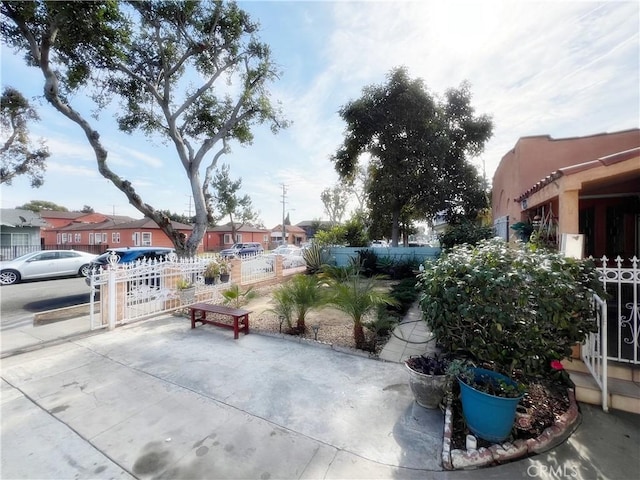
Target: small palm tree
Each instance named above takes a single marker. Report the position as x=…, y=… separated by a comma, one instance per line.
x=357, y=297
x=305, y=293
x=284, y=306
x=237, y=298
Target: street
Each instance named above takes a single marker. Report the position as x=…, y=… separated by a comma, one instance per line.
x=19, y=302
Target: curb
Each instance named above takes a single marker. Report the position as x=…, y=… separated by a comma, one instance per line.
x=552, y=436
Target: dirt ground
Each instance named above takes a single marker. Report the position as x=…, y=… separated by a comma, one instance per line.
x=336, y=327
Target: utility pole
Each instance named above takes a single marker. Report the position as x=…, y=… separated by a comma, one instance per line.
x=284, y=194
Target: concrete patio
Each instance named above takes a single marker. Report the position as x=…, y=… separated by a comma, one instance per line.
x=156, y=399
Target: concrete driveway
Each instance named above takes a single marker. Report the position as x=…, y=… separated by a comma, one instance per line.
x=159, y=400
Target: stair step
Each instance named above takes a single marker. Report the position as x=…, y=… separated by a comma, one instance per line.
x=621, y=371
x=623, y=394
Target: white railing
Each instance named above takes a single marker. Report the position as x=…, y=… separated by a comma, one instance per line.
x=145, y=288
x=594, y=350
x=622, y=285
x=257, y=268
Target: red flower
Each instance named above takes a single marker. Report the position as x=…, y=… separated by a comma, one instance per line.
x=556, y=365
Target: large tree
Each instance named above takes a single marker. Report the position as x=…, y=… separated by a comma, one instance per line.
x=17, y=154
x=335, y=201
x=229, y=203
x=418, y=146
x=192, y=72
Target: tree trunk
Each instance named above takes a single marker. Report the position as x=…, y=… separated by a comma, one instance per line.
x=302, y=327
x=395, y=227
x=358, y=336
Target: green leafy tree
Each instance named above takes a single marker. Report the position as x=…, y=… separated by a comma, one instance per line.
x=238, y=209
x=87, y=209
x=164, y=61
x=42, y=205
x=17, y=155
x=418, y=147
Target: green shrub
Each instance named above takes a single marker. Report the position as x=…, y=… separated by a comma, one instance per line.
x=463, y=232
x=515, y=306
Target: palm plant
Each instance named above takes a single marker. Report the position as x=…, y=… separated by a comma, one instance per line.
x=305, y=293
x=237, y=298
x=357, y=297
x=283, y=305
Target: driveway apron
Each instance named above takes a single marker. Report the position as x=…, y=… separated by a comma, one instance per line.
x=157, y=399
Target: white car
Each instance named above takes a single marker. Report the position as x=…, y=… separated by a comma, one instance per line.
x=379, y=244
x=46, y=264
x=284, y=249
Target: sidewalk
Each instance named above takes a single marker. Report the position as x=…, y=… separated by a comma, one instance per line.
x=157, y=399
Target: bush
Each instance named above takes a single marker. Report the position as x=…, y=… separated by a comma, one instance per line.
x=515, y=306
x=464, y=232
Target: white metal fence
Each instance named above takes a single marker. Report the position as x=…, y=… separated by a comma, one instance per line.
x=594, y=350
x=622, y=284
x=129, y=292
x=145, y=288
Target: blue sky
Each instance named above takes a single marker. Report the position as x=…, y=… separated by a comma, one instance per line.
x=562, y=68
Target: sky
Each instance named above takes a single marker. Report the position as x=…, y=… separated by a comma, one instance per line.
x=561, y=68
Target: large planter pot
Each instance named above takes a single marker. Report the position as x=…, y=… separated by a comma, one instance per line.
x=428, y=390
x=209, y=280
x=187, y=295
x=488, y=416
x=224, y=277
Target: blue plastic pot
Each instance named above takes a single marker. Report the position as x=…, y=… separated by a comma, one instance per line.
x=487, y=416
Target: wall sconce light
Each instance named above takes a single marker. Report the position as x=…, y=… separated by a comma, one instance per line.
x=315, y=329
x=281, y=318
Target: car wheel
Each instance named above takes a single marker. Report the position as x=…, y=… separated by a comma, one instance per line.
x=85, y=270
x=9, y=277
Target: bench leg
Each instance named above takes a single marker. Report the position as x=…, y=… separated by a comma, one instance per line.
x=245, y=328
x=193, y=318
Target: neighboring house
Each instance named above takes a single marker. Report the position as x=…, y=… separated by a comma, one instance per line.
x=221, y=237
x=293, y=235
x=582, y=185
x=311, y=226
x=78, y=226
x=19, y=232
x=115, y=233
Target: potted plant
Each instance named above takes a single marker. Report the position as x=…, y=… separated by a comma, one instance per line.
x=211, y=272
x=186, y=291
x=489, y=400
x=225, y=270
x=428, y=378
x=514, y=307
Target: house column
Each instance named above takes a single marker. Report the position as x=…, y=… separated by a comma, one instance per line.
x=568, y=216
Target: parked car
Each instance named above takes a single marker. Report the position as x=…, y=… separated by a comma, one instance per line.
x=45, y=264
x=130, y=255
x=284, y=249
x=379, y=244
x=133, y=254
x=242, y=249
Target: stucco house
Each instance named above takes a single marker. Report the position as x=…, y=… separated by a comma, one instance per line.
x=581, y=185
x=220, y=237
x=292, y=235
x=114, y=232
x=19, y=232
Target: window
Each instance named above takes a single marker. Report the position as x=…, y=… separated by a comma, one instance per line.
x=78, y=238
x=265, y=239
x=64, y=238
x=227, y=239
x=136, y=239
x=13, y=239
x=146, y=239
x=238, y=237
x=104, y=238
x=115, y=237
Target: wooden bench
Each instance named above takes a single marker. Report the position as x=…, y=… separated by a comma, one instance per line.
x=240, y=317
